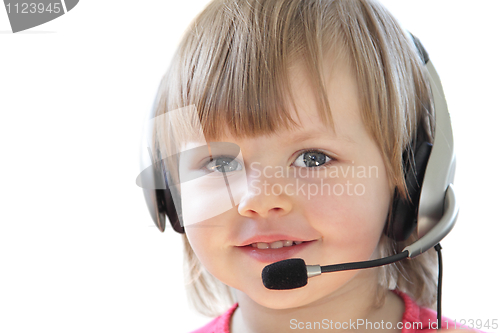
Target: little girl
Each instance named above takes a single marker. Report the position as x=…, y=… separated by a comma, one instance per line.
x=288, y=123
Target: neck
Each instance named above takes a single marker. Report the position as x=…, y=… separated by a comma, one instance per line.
x=357, y=299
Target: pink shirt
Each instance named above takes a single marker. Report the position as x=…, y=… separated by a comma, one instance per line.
x=415, y=319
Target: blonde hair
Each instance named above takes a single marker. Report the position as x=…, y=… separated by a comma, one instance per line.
x=233, y=62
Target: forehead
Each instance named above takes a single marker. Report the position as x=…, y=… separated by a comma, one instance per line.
x=343, y=97
x=344, y=100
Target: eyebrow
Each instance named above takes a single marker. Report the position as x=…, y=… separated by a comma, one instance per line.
x=318, y=135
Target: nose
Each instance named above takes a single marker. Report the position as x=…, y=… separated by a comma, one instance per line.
x=266, y=198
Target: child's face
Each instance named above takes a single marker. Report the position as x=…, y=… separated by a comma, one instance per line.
x=339, y=212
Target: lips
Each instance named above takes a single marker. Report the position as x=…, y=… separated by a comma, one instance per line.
x=269, y=239
x=269, y=252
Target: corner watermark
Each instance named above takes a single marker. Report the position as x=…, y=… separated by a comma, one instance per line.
x=365, y=324
x=359, y=324
x=26, y=14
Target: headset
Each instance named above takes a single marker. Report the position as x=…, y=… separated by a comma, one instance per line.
x=432, y=207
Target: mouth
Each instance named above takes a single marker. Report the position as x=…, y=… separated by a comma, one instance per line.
x=275, y=245
x=275, y=251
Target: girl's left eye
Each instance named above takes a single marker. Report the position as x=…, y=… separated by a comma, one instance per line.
x=312, y=158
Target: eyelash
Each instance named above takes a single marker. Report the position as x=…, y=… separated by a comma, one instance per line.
x=332, y=159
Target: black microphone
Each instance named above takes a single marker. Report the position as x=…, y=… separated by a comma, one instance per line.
x=293, y=273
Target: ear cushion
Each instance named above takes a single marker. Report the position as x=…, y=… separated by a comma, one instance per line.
x=168, y=206
x=155, y=183
x=405, y=212
x=152, y=183
x=171, y=212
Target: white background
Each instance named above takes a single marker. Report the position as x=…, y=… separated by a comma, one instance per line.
x=78, y=251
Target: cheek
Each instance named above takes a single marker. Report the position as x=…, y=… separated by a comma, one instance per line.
x=208, y=239
x=196, y=241
x=355, y=213
x=202, y=241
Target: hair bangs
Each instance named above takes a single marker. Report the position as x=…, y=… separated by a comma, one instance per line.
x=239, y=80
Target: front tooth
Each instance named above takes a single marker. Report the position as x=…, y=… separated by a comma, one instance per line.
x=287, y=243
x=254, y=244
x=298, y=242
x=262, y=245
x=276, y=245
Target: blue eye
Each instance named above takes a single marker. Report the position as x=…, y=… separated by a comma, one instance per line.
x=312, y=158
x=223, y=164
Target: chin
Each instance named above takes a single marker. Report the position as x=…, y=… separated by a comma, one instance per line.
x=292, y=298
x=318, y=290
x=283, y=299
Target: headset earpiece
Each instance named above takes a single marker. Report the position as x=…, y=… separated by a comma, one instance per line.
x=158, y=195
x=404, y=215
x=169, y=206
x=154, y=179
x=405, y=211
